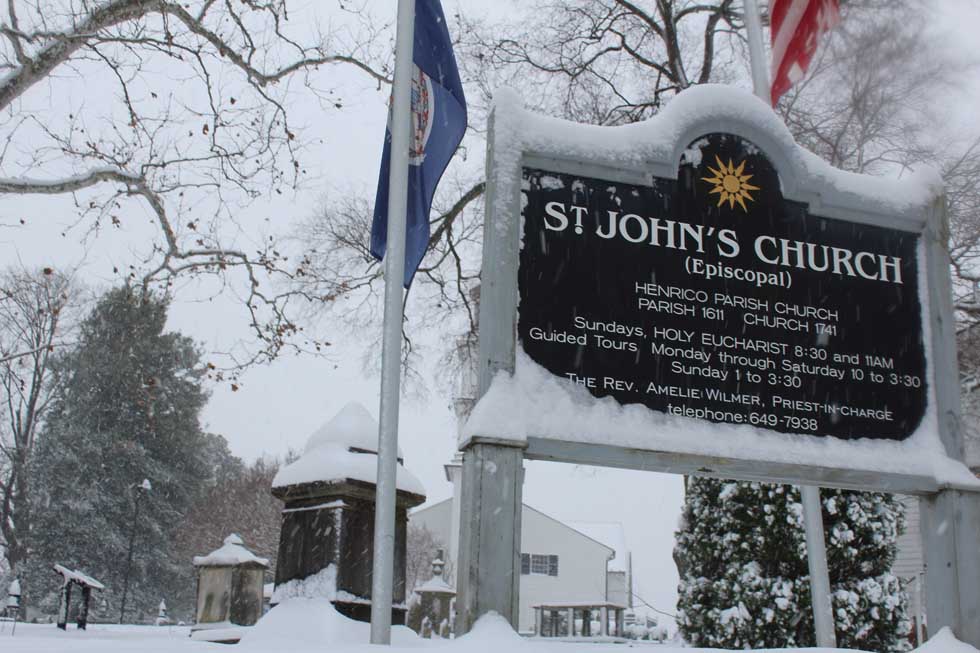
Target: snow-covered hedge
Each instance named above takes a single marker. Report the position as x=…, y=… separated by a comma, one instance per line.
x=741, y=554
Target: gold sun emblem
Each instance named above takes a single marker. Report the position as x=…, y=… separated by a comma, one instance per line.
x=731, y=185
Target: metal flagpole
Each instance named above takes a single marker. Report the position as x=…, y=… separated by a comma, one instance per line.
x=384, y=517
x=816, y=552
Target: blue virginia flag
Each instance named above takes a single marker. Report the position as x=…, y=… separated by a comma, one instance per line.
x=438, y=123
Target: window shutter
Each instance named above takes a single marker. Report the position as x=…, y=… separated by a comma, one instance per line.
x=552, y=565
x=525, y=564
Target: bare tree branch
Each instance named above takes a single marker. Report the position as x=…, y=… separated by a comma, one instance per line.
x=212, y=135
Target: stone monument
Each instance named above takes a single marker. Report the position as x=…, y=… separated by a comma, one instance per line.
x=229, y=591
x=326, y=544
x=434, y=613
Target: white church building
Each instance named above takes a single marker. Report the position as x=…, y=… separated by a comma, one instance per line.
x=561, y=562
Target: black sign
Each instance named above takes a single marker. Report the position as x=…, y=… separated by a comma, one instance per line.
x=712, y=297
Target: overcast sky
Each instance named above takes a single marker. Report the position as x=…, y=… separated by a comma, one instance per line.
x=277, y=407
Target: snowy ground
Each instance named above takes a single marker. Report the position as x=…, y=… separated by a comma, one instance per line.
x=304, y=626
x=38, y=638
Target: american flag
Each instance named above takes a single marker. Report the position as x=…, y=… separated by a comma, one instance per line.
x=797, y=26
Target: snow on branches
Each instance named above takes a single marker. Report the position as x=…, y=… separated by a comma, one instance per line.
x=741, y=553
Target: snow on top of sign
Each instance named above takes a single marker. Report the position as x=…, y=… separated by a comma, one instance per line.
x=352, y=426
x=230, y=554
x=609, y=533
x=711, y=106
x=78, y=577
x=534, y=402
x=332, y=461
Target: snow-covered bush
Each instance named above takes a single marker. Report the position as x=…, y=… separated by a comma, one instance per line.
x=651, y=633
x=741, y=554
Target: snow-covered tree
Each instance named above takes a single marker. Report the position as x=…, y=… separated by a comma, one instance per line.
x=744, y=581
x=126, y=408
x=36, y=313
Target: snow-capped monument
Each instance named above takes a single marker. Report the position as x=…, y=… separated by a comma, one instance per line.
x=229, y=592
x=326, y=545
